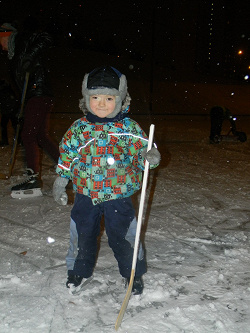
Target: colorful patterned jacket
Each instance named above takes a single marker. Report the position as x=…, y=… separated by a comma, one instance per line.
x=103, y=160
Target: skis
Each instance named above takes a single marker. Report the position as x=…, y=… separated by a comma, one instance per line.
x=138, y=231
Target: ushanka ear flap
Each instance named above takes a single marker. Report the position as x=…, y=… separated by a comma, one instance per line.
x=82, y=102
x=126, y=103
x=82, y=106
x=104, y=81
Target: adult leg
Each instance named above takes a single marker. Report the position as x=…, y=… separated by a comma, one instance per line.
x=216, y=118
x=34, y=112
x=4, y=124
x=14, y=120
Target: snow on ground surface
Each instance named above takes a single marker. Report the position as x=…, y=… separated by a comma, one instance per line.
x=196, y=232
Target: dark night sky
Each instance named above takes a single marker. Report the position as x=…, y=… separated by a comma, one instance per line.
x=176, y=33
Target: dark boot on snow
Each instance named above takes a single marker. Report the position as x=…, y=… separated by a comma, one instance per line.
x=74, y=280
x=77, y=283
x=138, y=285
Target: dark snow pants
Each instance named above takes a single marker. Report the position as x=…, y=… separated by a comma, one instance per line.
x=35, y=132
x=120, y=226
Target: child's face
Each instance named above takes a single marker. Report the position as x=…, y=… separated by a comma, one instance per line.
x=102, y=105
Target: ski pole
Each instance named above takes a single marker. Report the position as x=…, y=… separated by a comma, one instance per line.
x=138, y=232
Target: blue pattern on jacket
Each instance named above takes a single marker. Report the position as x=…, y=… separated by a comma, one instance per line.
x=103, y=160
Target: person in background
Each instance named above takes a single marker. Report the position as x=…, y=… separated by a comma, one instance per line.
x=9, y=109
x=104, y=155
x=26, y=51
x=219, y=114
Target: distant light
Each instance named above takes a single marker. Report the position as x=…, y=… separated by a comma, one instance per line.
x=240, y=52
x=232, y=93
x=246, y=77
x=70, y=35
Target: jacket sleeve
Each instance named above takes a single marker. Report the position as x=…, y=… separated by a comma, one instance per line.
x=68, y=154
x=37, y=45
x=138, y=144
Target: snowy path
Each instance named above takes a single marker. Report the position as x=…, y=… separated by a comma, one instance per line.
x=196, y=232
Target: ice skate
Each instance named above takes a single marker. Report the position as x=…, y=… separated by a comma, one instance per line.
x=29, y=188
x=77, y=283
x=138, y=285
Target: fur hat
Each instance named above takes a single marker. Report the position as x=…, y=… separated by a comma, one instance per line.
x=6, y=30
x=105, y=81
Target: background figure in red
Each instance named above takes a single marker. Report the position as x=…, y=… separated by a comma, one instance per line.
x=26, y=49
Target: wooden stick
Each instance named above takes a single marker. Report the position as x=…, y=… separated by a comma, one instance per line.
x=138, y=232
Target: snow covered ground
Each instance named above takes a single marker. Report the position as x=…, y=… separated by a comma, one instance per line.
x=196, y=232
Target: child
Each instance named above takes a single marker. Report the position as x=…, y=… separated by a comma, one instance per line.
x=103, y=153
